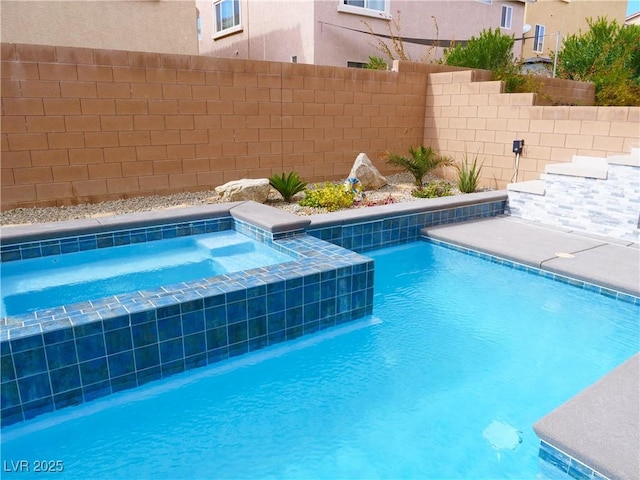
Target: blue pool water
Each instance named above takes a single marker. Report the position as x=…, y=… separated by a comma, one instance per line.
x=46, y=282
x=461, y=357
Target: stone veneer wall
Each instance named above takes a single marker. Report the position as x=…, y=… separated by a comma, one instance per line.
x=608, y=207
x=87, y=125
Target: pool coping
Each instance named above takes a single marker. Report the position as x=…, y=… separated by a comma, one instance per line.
x=267, y=218
x=600, y=261
x=595, y=434
x=593, y=428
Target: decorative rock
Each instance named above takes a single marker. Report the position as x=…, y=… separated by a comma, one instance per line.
x=256, y=189
x=367, y=173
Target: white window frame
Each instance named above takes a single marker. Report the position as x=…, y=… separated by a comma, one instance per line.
x=488, y=2
x=365, y=11
x=229, y=30
x=506, y=15
x=538, y=38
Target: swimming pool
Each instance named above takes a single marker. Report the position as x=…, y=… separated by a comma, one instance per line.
x=461, y=357
x=57, y=280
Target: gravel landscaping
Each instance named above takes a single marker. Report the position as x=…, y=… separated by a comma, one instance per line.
x=397, y=190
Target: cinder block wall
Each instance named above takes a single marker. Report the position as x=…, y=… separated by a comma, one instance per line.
x=463, y=115
x=87, y=125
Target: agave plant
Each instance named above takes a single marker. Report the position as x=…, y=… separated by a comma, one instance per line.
x=422, y=161
x=287, y=185
x=468, y=175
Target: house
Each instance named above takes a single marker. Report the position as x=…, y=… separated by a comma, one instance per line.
x=550, y=21
x=146, y=25
x=337, y=32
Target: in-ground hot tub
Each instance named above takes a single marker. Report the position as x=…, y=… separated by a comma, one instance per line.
x=65, y=355
x=58, y=280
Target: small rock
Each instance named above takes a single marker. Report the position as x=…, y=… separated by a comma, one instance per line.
x=367, y=173
x=256, y=189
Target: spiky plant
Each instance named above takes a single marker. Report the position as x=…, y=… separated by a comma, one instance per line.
x=422, y=160
x=287, y=185
x=468, y=175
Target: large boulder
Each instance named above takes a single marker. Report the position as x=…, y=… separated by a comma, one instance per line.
x=256, y=189
x=367, y=173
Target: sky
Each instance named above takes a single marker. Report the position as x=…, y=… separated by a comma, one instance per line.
x=633, y=6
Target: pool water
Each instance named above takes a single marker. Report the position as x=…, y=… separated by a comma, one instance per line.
x=461, y=357
x=46, y=282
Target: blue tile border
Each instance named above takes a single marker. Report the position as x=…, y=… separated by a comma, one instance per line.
x=566, y=464
x=607, y=292
x=368, y=234
x=92, y=241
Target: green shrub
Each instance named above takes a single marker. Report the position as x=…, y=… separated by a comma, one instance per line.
x=376, y=63
x=433, y=189
x=608, y=55
x=490, y=51
x=287, y=185
x=331, y=196
x=422, y=161
x=468, y=175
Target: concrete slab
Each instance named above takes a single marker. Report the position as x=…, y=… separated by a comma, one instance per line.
x=268, y=218
x=613, y=266
x=520, y=242
x=599, y=426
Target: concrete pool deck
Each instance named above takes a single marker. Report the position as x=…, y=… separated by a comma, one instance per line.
x=599, y=427
x=607, y=262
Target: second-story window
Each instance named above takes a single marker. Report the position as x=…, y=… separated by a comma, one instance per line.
x=227, y=15
x=538, y=39
x=505, y=18
x=371, y=8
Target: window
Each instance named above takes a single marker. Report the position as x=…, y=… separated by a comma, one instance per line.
x=505, y=19
x=370, y=8
x=199, y=27
x=538, y=39
x=227, y=16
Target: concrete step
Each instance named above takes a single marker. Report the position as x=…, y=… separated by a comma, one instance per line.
x=581, y=166
x=632, y=159
x=535, y=187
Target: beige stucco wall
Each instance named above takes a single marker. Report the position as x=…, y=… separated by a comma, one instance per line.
x=271, y=30
x=144, y=25
x=567, y=17
x=434, y=19
x=316, y=32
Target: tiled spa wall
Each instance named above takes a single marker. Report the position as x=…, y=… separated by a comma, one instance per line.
x=61, y=357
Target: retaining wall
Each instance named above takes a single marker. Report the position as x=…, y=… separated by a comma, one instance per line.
x=464, y=115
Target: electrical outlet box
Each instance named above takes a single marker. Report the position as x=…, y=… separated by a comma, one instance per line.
x=518, y=146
